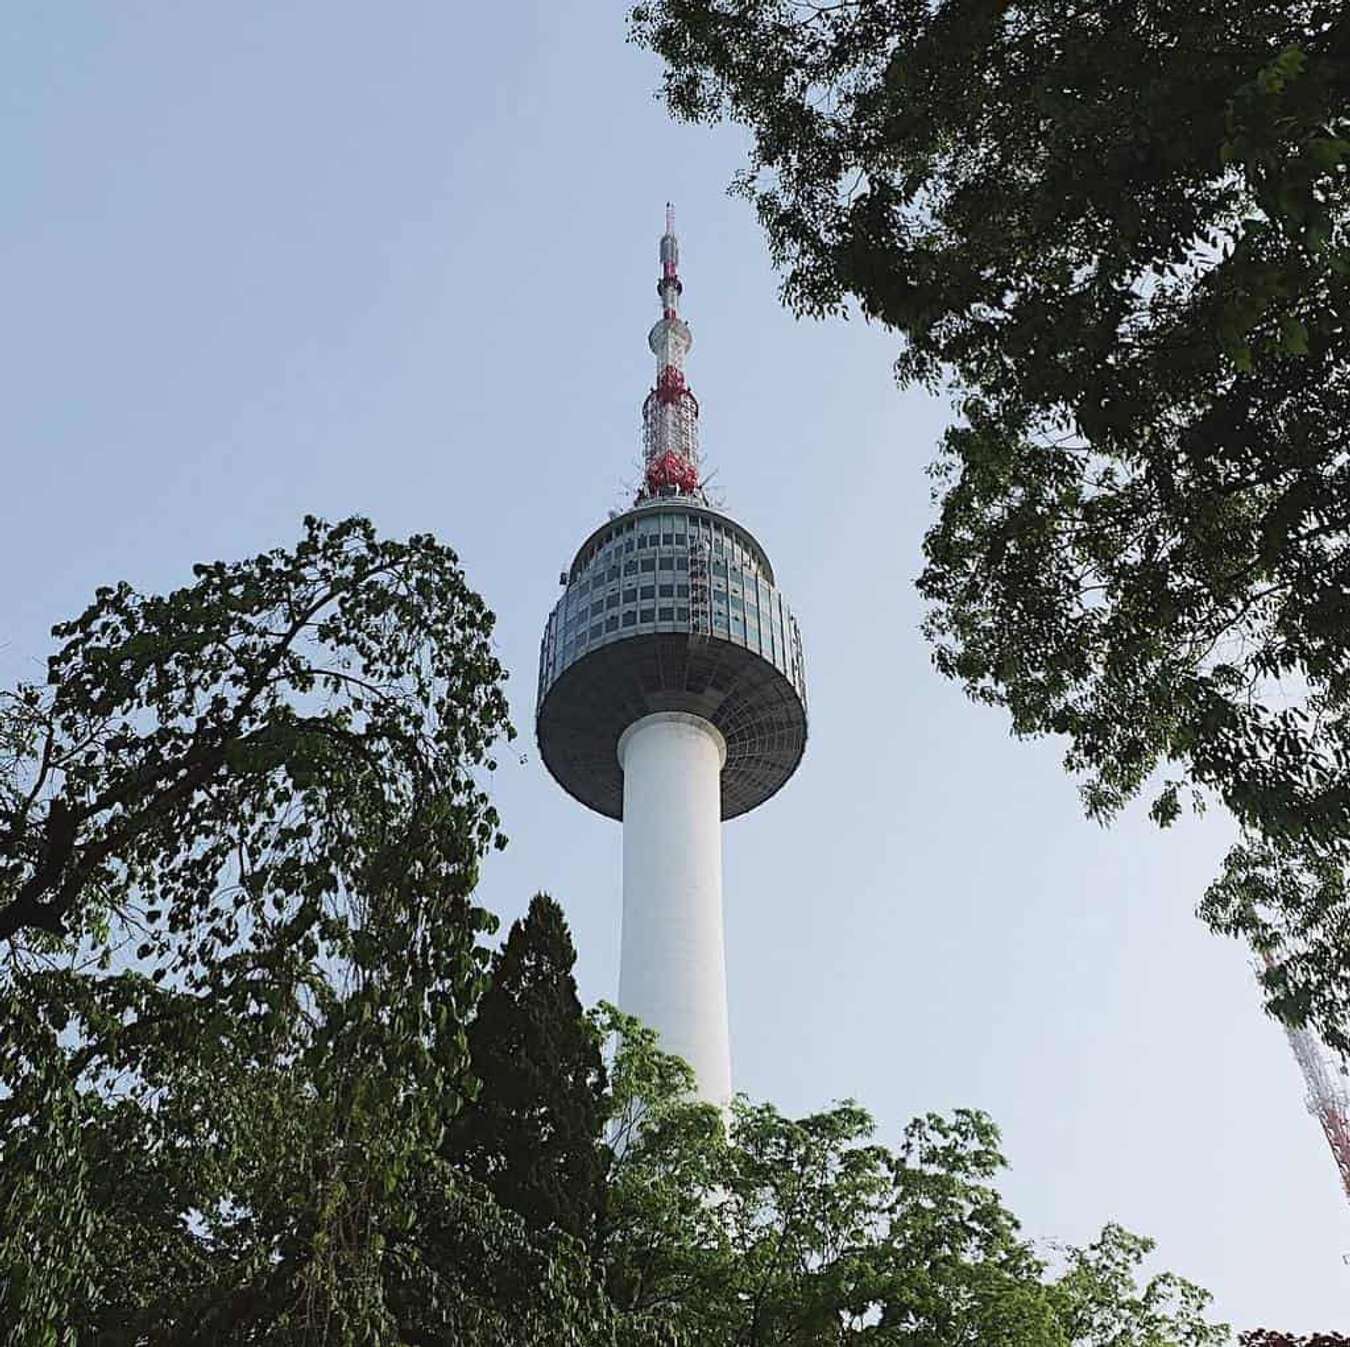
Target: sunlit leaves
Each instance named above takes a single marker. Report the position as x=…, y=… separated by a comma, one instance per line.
x=758, y=1229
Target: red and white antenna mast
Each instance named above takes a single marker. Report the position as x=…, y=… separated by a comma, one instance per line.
x=1328, y=1099
x=670, y=465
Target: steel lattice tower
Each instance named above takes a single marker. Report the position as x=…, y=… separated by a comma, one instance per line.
x=1328, y=1098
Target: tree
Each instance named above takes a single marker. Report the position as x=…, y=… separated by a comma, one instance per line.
x=240, y=831
x=770, y=1230
x=240, y=1015
x=287, y=723
x=1100, y=1304
x=1118, y=232
x=533, y=1134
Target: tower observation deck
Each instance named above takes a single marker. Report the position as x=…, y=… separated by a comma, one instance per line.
x=672, y=695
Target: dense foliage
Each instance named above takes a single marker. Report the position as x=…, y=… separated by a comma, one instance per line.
x=1118, y=232
x=533, y=1134
x=240, y=830
x=260, y=1083
x=760, y=1230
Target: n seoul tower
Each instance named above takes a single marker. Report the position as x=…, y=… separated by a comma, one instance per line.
x=672, y=696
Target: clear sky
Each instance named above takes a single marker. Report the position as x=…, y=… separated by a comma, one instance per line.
x=263, y=259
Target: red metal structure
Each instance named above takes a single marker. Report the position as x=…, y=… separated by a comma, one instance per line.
x=670, y=412
x=1328, y=1098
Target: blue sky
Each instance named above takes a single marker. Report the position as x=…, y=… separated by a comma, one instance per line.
x=260, y=260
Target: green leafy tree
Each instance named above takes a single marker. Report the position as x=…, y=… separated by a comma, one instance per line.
x=240, y=830
x=1099, y=1302
x=533, y=1134
x=767, y=1230
x=1118, y=233
x=237, y=1026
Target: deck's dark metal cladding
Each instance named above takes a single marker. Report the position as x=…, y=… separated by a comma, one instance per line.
x=750, y=701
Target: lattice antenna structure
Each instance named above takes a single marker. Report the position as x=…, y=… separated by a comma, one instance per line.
x=1328, y=1097
x=670, y=413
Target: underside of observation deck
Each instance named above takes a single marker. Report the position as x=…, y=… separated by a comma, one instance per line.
x=752, y=704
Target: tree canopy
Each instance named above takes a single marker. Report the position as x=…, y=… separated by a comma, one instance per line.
x=533, y=1132
x=262, y=1082
x=760, y=1230
x=1117, y=232
x=240, y=831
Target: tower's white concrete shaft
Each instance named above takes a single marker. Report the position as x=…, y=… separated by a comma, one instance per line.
x=672, y=696
x=672, y=972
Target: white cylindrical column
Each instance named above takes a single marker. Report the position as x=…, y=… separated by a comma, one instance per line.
x=672, y=971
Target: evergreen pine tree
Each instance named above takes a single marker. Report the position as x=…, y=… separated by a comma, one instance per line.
x=533, y=1135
